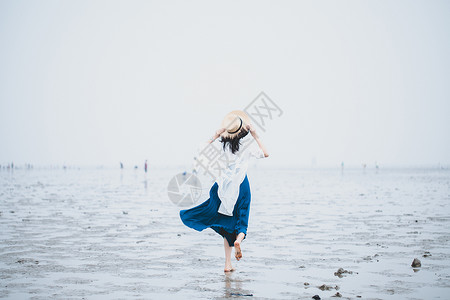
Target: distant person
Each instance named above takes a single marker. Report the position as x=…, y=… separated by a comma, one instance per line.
x=145, y=166
x=121, y=165
x=227, y=209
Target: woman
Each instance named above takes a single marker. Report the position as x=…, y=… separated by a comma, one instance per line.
x=227, y=209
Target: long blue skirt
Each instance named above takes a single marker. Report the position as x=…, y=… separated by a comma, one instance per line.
x=206, y=215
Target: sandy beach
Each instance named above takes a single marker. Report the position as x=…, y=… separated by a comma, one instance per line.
x=114, y=234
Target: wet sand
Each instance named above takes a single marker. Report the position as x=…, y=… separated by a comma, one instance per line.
x=112, y=234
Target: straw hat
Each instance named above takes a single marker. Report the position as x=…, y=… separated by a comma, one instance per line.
x=234, y=122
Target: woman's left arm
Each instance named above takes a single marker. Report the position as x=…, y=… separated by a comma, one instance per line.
x=256, y=137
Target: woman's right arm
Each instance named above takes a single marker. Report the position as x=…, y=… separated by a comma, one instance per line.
x=216, y=135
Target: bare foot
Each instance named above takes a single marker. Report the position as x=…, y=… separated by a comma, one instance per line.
x=228, y=267
x=237, y=250
x=227, y=270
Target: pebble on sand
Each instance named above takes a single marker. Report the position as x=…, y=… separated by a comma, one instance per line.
x=325, y=287
x=426, y=254
x=416, y=263
x=341, y=271
x=316, y=297
x=339, y=295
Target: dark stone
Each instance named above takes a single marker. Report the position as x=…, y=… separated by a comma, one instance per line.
x=416, y=263
x=316, y=297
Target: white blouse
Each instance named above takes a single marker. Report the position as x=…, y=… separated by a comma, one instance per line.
x=234, y=170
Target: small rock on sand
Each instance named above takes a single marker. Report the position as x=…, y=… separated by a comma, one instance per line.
x=416, y=263
x=426, y=254
x=27, y=260
x=339, y=295
x=341, y=271
x=325, y=287
x=316, y=297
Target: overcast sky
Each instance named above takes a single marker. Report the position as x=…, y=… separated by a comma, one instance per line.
x=98, y=82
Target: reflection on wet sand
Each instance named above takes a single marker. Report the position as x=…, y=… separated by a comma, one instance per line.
x=233, y=286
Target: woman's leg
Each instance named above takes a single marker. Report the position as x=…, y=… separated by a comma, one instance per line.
x=228, y=266
x=237, y=245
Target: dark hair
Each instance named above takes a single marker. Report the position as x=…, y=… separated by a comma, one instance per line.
x=235, y=141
